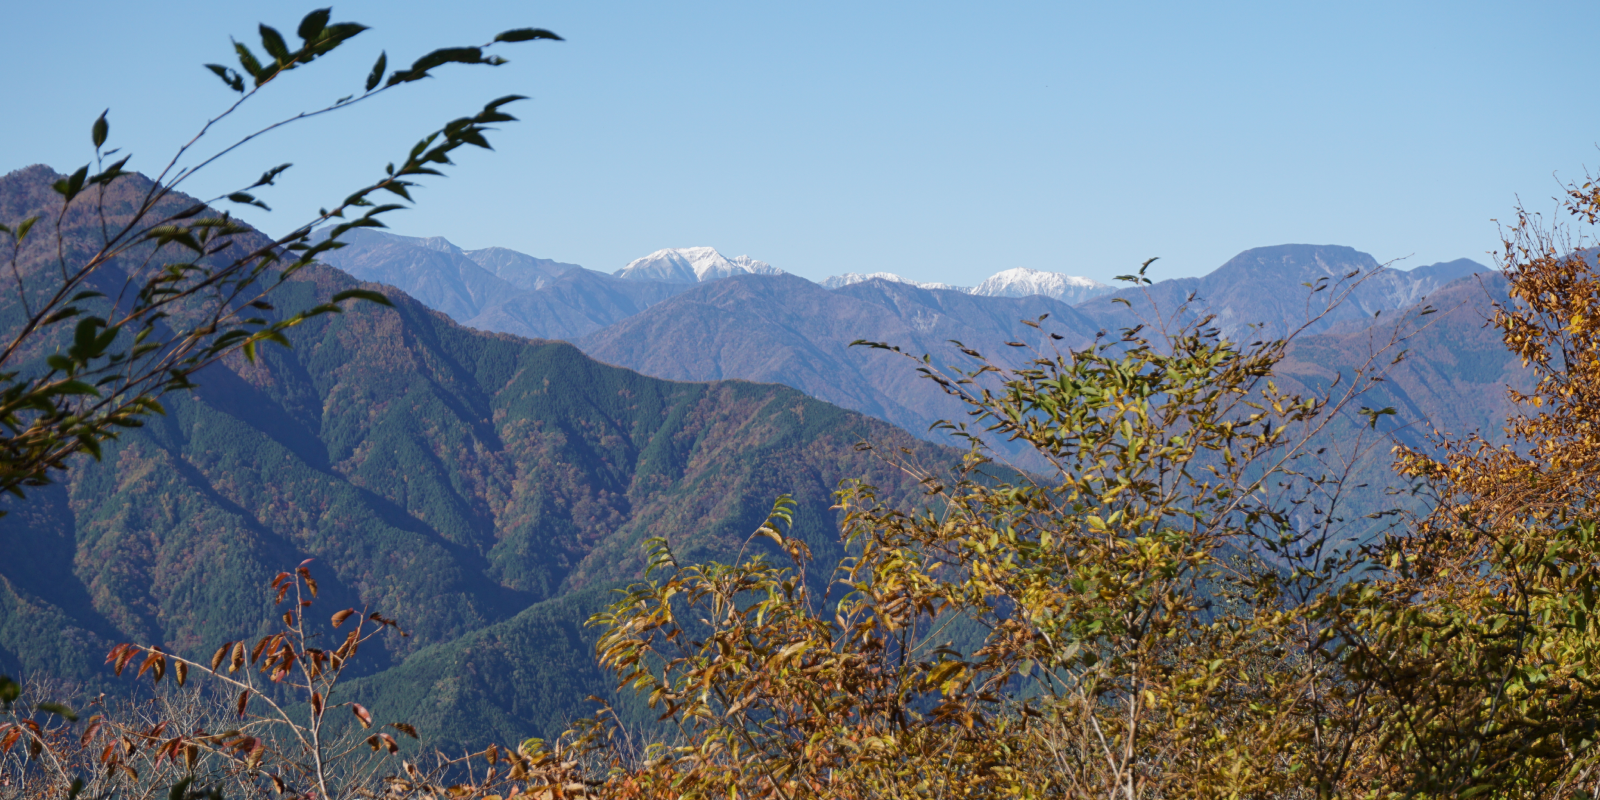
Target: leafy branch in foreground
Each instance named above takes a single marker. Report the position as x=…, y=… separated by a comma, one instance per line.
x=1483, y=639
x=98, y=337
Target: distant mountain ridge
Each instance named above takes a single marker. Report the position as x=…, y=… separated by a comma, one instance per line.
x=1023, y=281
x=785, y=329
x=1018, y=282
x=848, y=278
x=1268, y=292
x=720, y=318
x=692, y=265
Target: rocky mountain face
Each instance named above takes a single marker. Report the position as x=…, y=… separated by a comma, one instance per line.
x=485, y=489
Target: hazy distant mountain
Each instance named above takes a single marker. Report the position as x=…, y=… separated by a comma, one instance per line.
x=707, y=317
x=1019, y=282
x=432, y=270
x=1454, y=378
x=1023, y=282
x=848, y=278
x=788, y=330
x=496, y=289
x=692, y=265
x=1266, y=292
x=573, y=305
x=519, y=269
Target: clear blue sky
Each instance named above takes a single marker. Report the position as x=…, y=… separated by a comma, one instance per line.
x=938, y=140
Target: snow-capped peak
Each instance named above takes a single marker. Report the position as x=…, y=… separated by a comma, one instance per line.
x=1023, y=282
x=693, y=265
x=857, y=277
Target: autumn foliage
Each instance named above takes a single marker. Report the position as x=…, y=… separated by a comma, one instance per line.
x=1173, y=609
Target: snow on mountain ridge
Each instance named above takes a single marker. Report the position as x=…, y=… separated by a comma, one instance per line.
x=701, y=264
x=848, y=278
x=1019, y=282
x=692, y=265
x=1023, y=282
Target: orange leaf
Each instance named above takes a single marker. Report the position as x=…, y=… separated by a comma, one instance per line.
x=149, y=661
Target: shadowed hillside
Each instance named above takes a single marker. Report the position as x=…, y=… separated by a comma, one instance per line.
x=452, y=478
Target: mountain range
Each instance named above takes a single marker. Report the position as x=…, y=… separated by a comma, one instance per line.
x=478, y=486
x=449, y=462
x=766, y=325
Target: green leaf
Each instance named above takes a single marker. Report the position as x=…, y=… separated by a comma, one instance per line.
x=336, y=34
x=59, y=710
x=111, y=173
x=362, y=294
x=27, y=224
x=270, y=175
x=232, y=79
x=248, y=61
x=247, y=199
x=378, y=70
x=9, y=691
x=101, y=128
x=311, y=26
x=1373, y=415
x=70, y=186
x=72, y=387
x=180, y=790
x=64, y=313
x=527, y=34
x=83, y=338
x=272, y=42
x=397, y=187
x=510, y=98
x=445, y=55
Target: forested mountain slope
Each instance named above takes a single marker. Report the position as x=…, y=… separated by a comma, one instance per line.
x=448, y=477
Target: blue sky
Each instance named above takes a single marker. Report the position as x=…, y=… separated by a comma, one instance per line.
x=941, y=141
